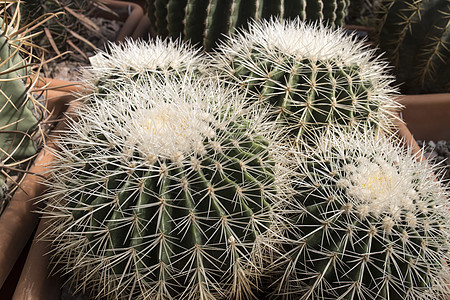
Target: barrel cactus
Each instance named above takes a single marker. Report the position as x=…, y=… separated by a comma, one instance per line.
x=415, y=36
x=370, y=221
x=162, y=190
x=18, y=122
x=133, y=60
x=314, y=77
x=205, y=22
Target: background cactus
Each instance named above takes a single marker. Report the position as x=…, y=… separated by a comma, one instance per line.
x=314, y=77
x=369, y=222
x=133, y=60
x=161, y=191
x=205, y=22
x=18, y=122
x=415, y=36
x=362, y=12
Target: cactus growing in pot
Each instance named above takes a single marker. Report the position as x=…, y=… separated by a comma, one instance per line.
x=205, y=22
x=370, y=221
x=314, y=77
x=162, y=189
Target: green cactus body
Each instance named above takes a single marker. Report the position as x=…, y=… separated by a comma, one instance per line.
x=368, y=222
x=314, y=9
x=295, y=8
x=17, y=120
x=415, y=36
x=204, y=22
x=342, y=7
x=175, y=17
x=313, y=77
x=150, y=5
x=161, y=11
x=161, y=191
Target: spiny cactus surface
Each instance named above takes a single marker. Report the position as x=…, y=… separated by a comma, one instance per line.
x=369, y=222
x=16, y=115
x=161, y=191
x=312, y=76
x=415, y=36
x=17, y=120
x=205, y=22
x=132, y=60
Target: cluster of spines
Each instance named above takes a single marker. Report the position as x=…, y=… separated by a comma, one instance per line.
x=368, y=221
x=109, y=240
x=134, y=60
x=312, y=76
x=168, y=224
x=204, y=22
x=415, y=36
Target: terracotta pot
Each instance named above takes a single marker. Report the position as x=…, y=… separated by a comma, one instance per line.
x=35, y=282
x=129, y=12
x=19, y=220
x=144, y=29
x=407, y=136
x=427, y=116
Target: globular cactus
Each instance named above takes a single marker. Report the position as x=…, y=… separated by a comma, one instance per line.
x=132, y=60
x=18, y=122
x=369, y=221
x=314, y=77
x=415, y=36
x=205, y=22
x=161, y=190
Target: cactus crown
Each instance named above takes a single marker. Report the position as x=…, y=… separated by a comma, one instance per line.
x=133, y=61
x=312, y=76
x=162, y=189
x=369, y=222
x=137, y=57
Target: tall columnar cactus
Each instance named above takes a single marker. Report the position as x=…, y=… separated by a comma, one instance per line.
x=415, y=36
x=369, y=222
x=314, y=77
x=205, y=22
x=17, y=120
x=161, y=191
